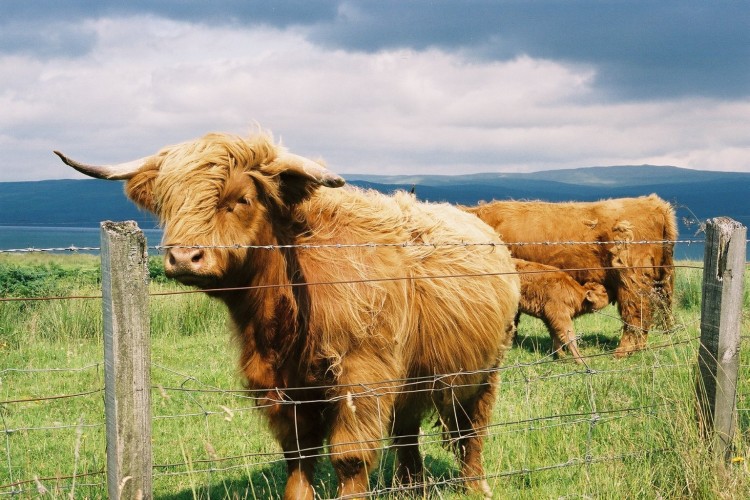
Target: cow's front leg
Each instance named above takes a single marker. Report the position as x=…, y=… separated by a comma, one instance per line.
x=300, y=432
x=634, y=304
x=362, y=407
x=409, y=470
x=563, y=335
x=466, y=418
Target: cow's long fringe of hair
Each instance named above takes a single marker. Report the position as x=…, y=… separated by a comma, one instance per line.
x=211, y=163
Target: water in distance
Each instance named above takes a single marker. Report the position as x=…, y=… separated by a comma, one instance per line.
x=38, y=238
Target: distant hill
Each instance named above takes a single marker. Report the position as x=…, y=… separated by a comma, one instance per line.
x=618, y=176
x=697, y=195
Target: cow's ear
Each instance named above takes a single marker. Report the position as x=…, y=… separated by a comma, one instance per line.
x=596, y=296
x=140, y=187
x=300, y=176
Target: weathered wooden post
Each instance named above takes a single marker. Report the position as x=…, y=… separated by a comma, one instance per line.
x=127, y=360
x=721, y=319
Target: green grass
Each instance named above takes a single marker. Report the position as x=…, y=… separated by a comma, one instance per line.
x=617, y=429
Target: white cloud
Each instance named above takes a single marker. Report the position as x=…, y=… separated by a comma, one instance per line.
x=149, y=82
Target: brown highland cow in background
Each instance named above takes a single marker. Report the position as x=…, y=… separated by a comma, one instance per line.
x=331, y=333
x=638, y=276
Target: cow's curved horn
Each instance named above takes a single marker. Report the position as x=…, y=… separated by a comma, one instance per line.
x=310, y=169
x=121, y=171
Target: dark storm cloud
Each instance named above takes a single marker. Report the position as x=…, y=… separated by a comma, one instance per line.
x=640, y=49
x=47, y=28
x=277, y=13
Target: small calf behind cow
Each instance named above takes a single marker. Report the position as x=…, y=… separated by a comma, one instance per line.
x=554, y=297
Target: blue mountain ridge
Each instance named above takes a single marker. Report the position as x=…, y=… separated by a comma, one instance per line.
x=697, y=195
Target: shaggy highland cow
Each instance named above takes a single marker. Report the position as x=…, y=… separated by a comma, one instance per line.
x=344, y=328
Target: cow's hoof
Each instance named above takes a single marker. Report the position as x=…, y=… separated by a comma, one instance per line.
x=480, y=487
x=623, y=352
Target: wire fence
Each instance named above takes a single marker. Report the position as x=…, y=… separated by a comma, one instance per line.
x=162, y=248
x=555, y=423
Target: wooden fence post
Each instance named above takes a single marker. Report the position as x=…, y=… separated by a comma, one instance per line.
x=127, y=360
x=721, y=319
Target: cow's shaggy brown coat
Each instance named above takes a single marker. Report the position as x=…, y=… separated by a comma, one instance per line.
x=638, y=277
x=362, y=330
x=554, y=297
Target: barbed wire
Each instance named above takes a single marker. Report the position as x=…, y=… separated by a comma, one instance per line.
x=53, y=298
x=40, y=480
x=597, y=416
x=411, y=244
x=246, y=392
x=414, y=244
x=428, y=438
x=60, y=427
x=228, y=412
x=50, y=398
x=71, y=249
x=51, y=370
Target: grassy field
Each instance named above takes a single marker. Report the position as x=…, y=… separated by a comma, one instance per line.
x=613, y=429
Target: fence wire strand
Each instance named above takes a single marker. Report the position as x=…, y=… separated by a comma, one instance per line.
x=162, y=248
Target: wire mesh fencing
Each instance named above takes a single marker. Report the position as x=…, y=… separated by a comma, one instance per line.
x=557, y=427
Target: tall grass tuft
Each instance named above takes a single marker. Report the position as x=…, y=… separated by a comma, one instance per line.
x=687, y=286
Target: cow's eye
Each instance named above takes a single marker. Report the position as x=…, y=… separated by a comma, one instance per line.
x=239, y=204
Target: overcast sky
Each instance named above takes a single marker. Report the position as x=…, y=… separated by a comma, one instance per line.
x=381, y=86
